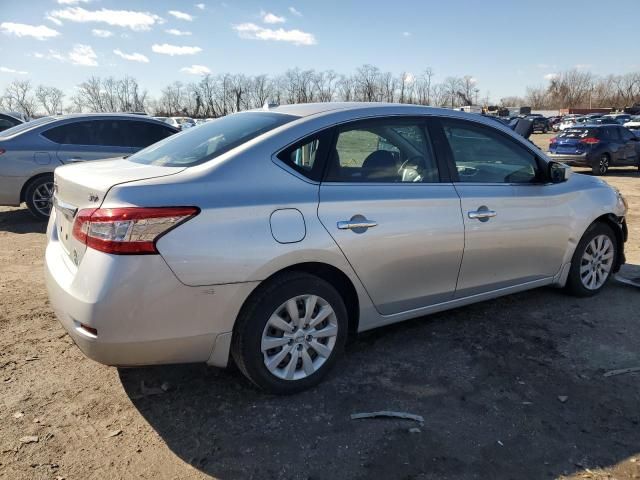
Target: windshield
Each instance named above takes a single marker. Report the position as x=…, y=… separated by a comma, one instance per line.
x=9, y=132
x=198, y=145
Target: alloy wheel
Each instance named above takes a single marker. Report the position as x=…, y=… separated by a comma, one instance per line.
x=596, y=262
x=299, y=337
x=604, y=164
x=42, y=198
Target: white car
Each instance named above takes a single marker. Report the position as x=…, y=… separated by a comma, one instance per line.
x=181, y=122
x=620, y=118
x=567, y=122
x=634, y=125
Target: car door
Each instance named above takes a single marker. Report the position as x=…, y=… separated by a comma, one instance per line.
x=630, y=147
x=89, y=140
x=515, y=222
x=392, y=211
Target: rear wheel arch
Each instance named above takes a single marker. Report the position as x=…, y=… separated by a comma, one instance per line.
x=329, y=273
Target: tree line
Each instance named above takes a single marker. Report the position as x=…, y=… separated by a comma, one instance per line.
x=217, y=95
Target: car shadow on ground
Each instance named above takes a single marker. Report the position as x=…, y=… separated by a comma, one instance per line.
x=19, y=220
x=509, y=388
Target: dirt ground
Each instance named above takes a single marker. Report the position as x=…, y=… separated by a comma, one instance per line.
x=511, y=388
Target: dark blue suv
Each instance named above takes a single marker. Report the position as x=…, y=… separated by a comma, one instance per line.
x=596, y=146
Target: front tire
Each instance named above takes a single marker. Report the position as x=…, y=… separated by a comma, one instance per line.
x=601, y=166
x=593, y=261
x=290, y=333
x=39, y=197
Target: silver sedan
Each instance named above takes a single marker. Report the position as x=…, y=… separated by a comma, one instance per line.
x=270, y=236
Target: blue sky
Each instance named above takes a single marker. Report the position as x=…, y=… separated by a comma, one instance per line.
x=506, y=45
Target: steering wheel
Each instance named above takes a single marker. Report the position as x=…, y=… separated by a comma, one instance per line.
x=415, y=171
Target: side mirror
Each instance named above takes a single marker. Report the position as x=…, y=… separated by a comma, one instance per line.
x=559, y=172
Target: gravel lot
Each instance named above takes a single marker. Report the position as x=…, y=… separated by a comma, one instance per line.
x=510, y=388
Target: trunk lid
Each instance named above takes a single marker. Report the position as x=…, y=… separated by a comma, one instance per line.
x=85, y=185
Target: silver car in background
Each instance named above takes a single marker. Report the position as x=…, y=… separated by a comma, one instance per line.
x=31, y=151
x=270, y=236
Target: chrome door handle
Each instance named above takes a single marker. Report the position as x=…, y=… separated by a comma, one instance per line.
x=356, y=224
x=482, y=214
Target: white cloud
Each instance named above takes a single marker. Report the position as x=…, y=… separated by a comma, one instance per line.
x=72, y=2
x=118, y=18
x=83, y=55
x=196, y=70
x=101, y=33
x=583, y=66
x=133, y=57
x=200, y=6
x=54, y=20
x=271, y=18
x=181, y=15
x=172, y=50
x=11, y=70
x=176, y=32
x=255, y=32
x=551, y=76
x=41, y=32
x=406, y=34
x=295, y=12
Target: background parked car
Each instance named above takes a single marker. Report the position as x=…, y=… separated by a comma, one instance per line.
x=31, y=151
x=7, y=121
x=181, y=123
x=540, y=123
x=568, y=121
x=596, y=146
x=634, y=125
x=620, y=118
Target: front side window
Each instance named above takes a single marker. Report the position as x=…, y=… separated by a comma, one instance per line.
x=626, y=134
x=386, y=151
x=198, y=145
x=484, y=155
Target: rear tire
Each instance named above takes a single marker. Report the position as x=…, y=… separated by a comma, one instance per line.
x=601, y=166
x=593, y=261
x=277, y=343
x=39, y=197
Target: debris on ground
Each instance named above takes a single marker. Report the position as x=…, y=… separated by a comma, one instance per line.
x=29, y=439
x=388, y=414
x=114, y=433
x=563, y=398
x=621, y=371
x=414, y=430
x=18, y=415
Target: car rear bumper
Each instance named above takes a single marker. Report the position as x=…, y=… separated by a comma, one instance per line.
x=10, y=188
x=571, y=159
x=142, y=313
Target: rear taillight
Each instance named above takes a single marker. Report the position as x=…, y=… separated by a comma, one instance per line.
x=590, y=141
x=130, y=230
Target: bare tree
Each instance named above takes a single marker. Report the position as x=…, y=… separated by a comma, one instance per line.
x=50, y=99
x=19, y=96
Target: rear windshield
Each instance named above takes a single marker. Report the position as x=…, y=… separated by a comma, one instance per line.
x=579, y=133
x=9, y=132
x=211, y=139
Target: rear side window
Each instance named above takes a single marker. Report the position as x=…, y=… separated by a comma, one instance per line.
x=76, y=133
x=307, y=156
x=198, y=145
x=108, y=133
x=484, y=155
x=143, y=134
x=383, y=151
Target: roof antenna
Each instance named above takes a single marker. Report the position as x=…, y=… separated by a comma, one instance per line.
x=267, y=105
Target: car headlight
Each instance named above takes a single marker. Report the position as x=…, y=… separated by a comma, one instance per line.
x=622, y=202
